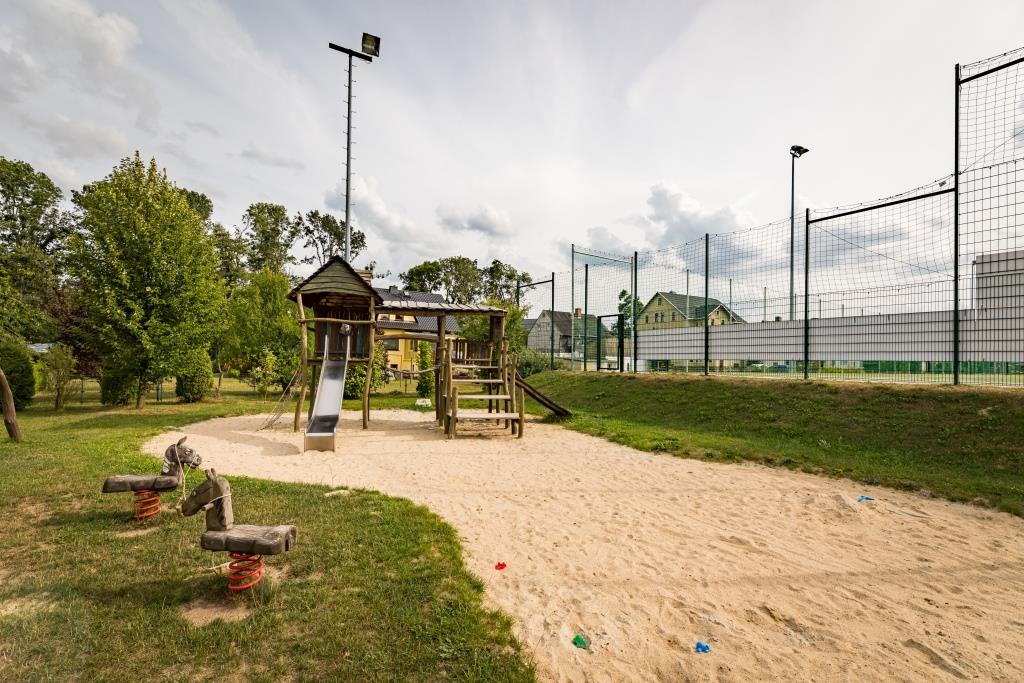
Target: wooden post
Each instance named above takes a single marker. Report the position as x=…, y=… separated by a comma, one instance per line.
x=369, y=366
x=522, y=411
x=313, y=382
x=10, y=415
x=302, y=368
x=438, y=351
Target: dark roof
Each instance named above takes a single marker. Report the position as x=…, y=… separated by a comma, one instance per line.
x=396, y=299
x=335, y=276
x=692, y=307
x=563, y=321
x=528, y=324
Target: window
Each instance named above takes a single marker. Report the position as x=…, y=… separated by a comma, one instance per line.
x=656, y=317
x=647, y=318
x=399, y=317
x=391, y=344
x=673, y=316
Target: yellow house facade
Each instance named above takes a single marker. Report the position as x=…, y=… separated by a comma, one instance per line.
x=402, y=333
x=667, y=310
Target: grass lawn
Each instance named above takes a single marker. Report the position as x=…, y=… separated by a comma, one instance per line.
x=962, y=443
x=374, y=590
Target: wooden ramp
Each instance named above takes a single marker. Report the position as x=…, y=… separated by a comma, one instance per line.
x=540, y=398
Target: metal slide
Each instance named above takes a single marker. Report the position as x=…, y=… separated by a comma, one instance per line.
x=327, y=407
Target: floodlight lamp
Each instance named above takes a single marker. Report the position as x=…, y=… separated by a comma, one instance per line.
x=798, y=151
x=371, y=45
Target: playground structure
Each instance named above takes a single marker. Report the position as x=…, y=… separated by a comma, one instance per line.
x=246, y=544
x=345, y=306
x=148, y=487
x=506, y=403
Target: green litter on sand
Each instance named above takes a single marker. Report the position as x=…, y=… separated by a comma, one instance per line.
x=580, y=642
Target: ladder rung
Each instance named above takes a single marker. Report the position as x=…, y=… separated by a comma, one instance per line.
x=485, y=397
x=477, y=381
x=483, y=415
x=475, y=367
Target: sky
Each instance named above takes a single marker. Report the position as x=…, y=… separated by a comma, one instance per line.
x=499, y=130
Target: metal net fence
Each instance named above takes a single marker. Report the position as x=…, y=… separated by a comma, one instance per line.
x=923, y=286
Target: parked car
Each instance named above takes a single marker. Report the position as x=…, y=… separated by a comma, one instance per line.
x=780, y=367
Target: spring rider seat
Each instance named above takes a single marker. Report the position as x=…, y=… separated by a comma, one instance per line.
x=147, y=487
x=246, y=544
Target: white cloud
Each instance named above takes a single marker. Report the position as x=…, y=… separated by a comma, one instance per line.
x=251, y=153
x=486, y=220
x=75, y=139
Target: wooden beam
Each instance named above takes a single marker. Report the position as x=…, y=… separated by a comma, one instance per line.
x=303, y=376
x=437, y=356
x=369, y=367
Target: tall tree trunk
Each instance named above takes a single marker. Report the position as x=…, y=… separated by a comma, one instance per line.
x=140, y=399
x=10, y=416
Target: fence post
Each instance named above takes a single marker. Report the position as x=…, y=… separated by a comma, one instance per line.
x=599, y=354
x=956, y=226
x=707, y=278
x=620, y=345
x=586, y=284
x=572, y=309
x=634, y=313
x=807, y=291
x=553, y=321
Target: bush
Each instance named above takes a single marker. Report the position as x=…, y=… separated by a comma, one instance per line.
x=195, y=381
x=39, y=370
x=531, y=362
x=233, y=373
x=59, y=362
x=118, y=386
x=17, y=365
x=355, y=377
x=425, y=384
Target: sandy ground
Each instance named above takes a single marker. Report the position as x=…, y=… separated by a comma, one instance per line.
x=785, y=575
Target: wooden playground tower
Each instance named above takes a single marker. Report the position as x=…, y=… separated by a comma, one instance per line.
x=340, y=295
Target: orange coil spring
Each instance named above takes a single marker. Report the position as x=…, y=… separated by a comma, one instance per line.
x=244, y=571
x=147, y=503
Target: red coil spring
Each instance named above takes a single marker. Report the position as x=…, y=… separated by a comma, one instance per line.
x=244, y=571
x=147, y=503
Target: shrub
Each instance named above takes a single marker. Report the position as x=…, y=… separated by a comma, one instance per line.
x=39, y=371
x=59, y=363
x=532, y=361
x=17, y=364
x=119, y=386
x=264, y=373
x=233, y=373
x=195, y=381
x=355, y=377
x=425, y=384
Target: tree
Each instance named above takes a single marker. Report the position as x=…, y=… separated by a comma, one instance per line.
x=8, y=409
x=460, y=279
x=147, y=273
x=260, y=319
x=17, y=364
x=200, y=203
x=29, y=208
x=426, y=277
x=625, y=299
x=231, y=251
x=478, y=327
x=60, y=367
x=355, y=376
x=325, y=235
x=498, y=281
x=425, y=383
x=268, y=237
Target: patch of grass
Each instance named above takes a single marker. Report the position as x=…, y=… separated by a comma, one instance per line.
x=374, y=590
x=966, y=444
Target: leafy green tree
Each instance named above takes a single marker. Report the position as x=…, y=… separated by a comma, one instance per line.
x=260, y=318
x=200, y=203
x=425, y=383
x=231, y=251
x=498, y=281
x=147, y=272
x=264, y=372
x=355, y=376
x=325, y=236
x=17, y=365
x=425, y=277
x=195, y=380
x=269, y=236
x=29, y=208
x=460, y=279
x=626, y=302
x=59, y=362
x=478, y=327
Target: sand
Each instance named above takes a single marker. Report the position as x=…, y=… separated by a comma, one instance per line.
x=785, y=575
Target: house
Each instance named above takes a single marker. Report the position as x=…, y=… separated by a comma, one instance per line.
x=538, y=335
x=667, y=310
x=403, y=353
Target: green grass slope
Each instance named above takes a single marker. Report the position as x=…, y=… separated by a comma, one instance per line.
x=965, y=444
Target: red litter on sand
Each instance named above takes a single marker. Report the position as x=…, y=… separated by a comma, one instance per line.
x=500, y=566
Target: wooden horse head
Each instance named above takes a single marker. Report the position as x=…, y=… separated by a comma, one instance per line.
x=177, y=457
x=214, y=496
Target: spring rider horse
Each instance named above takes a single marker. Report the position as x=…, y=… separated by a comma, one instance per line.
x=245, y=543
x=147, y=487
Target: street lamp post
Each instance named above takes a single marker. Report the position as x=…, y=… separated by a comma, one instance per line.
x=794, y=152
x=371, y=49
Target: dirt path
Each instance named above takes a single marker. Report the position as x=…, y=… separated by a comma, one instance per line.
x=785, y=575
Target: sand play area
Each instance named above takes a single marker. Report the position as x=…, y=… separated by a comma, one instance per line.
x=787, y=576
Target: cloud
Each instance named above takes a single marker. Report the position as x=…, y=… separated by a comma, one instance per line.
x=676, y=218
x=202, y=127
x=251, y=153
x=75, y=139
x=485, y=220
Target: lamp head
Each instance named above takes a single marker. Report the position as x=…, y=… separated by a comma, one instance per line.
x=798, y=151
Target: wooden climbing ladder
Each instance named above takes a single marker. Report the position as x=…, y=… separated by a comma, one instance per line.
x=495, y=373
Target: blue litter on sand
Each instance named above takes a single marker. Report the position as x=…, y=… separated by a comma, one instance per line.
x=861, y=499
x=703, y=647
